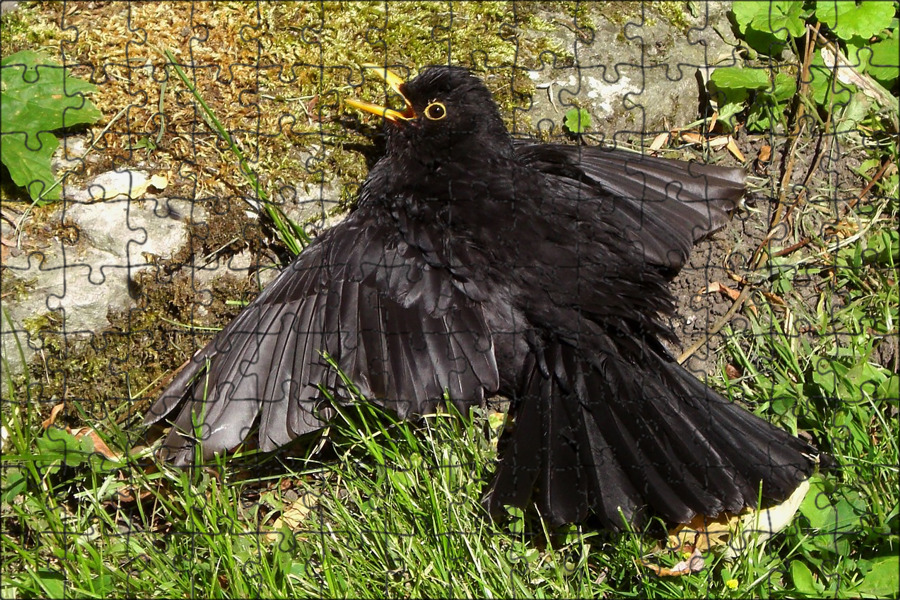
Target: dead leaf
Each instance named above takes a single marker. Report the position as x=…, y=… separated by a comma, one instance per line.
x=54, y=412
x=293, y=515
x=5, y=245
x=765, y=154
x=717, y=287
x=703, y=533
x=735, y=151
x=733, y=294
x=659, y=141
x=113, y=184
x=713, y=120
x=775, y=299
x=848, y=74
x=126, y=495
x=693, y=564
x=756, y=527
x=691, y=137
x=732, y=372
x=99, y=445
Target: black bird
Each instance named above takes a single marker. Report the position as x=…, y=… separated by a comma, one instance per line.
x=476, y=264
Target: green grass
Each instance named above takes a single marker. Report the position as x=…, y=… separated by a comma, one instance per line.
x=396, y=513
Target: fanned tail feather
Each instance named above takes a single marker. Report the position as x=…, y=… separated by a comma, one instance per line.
x=604, y=435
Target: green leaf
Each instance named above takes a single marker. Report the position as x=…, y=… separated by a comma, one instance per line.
x=824, y=87
x=745, y=11
x=28, y=166
x=882, y=580
x=883, y=64
x=58, y=447
x=577, y=120
x=848, y=19
x=803, y=579
x=731, y=86
x=781, y=19
x=739, y=78
x=889, y=388
x=816, y=506
x=849, y=511
x=38, y=96
x=785, y=87
x=52, y=583
x=14, y=485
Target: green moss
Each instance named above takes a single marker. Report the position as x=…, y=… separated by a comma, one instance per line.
x=477, y=35
x=294, y=114
x=14, y=288
x=102, y=371
x=26, y=29
x=674, y=13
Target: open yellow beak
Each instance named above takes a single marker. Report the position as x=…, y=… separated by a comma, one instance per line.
x=394, y=81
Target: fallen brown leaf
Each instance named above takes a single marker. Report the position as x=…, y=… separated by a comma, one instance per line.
x=733, y=294
x=718, y=287
x=703, y=533
x=691, y=137
x=54, y=412
x=293, y=515
x=774, y=299
x=735, y=151
x=693, y=564
x=732, y=372
x=659, y=141
x=99, y=445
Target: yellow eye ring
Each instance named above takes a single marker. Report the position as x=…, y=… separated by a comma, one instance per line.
x=436, y=111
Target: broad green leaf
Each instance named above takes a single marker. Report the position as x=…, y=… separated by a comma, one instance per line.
x=803, y=579
x=785, y=87
x=52, y=582
x=882, y=580
x=14, y=485
x=578, y=120
x=889, y=388
x=732, y=78
x=745, y=11
x=883, y=65
x=29, y=166
x=849, y=511
x=848, y=19
x=57, y=446
x=781, y=19
x=816, y=506
x=824, y=87
x=38, y=96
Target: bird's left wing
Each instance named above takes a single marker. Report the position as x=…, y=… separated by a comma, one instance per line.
x=402, y=331
x=662, y=205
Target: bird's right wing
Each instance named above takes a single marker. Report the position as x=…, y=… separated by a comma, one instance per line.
x=662, y=205
x=399, y=329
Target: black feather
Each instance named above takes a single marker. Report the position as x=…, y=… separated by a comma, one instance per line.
x=478, y=265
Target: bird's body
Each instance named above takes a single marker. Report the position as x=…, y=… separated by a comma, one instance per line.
x=477, y=265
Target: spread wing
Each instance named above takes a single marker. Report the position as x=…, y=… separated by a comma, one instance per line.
x=662, y=205
x=403, y=332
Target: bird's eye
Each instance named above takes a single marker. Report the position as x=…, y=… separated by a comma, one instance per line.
x=436, y=111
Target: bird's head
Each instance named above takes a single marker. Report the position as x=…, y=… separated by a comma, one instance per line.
x=449, y=115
